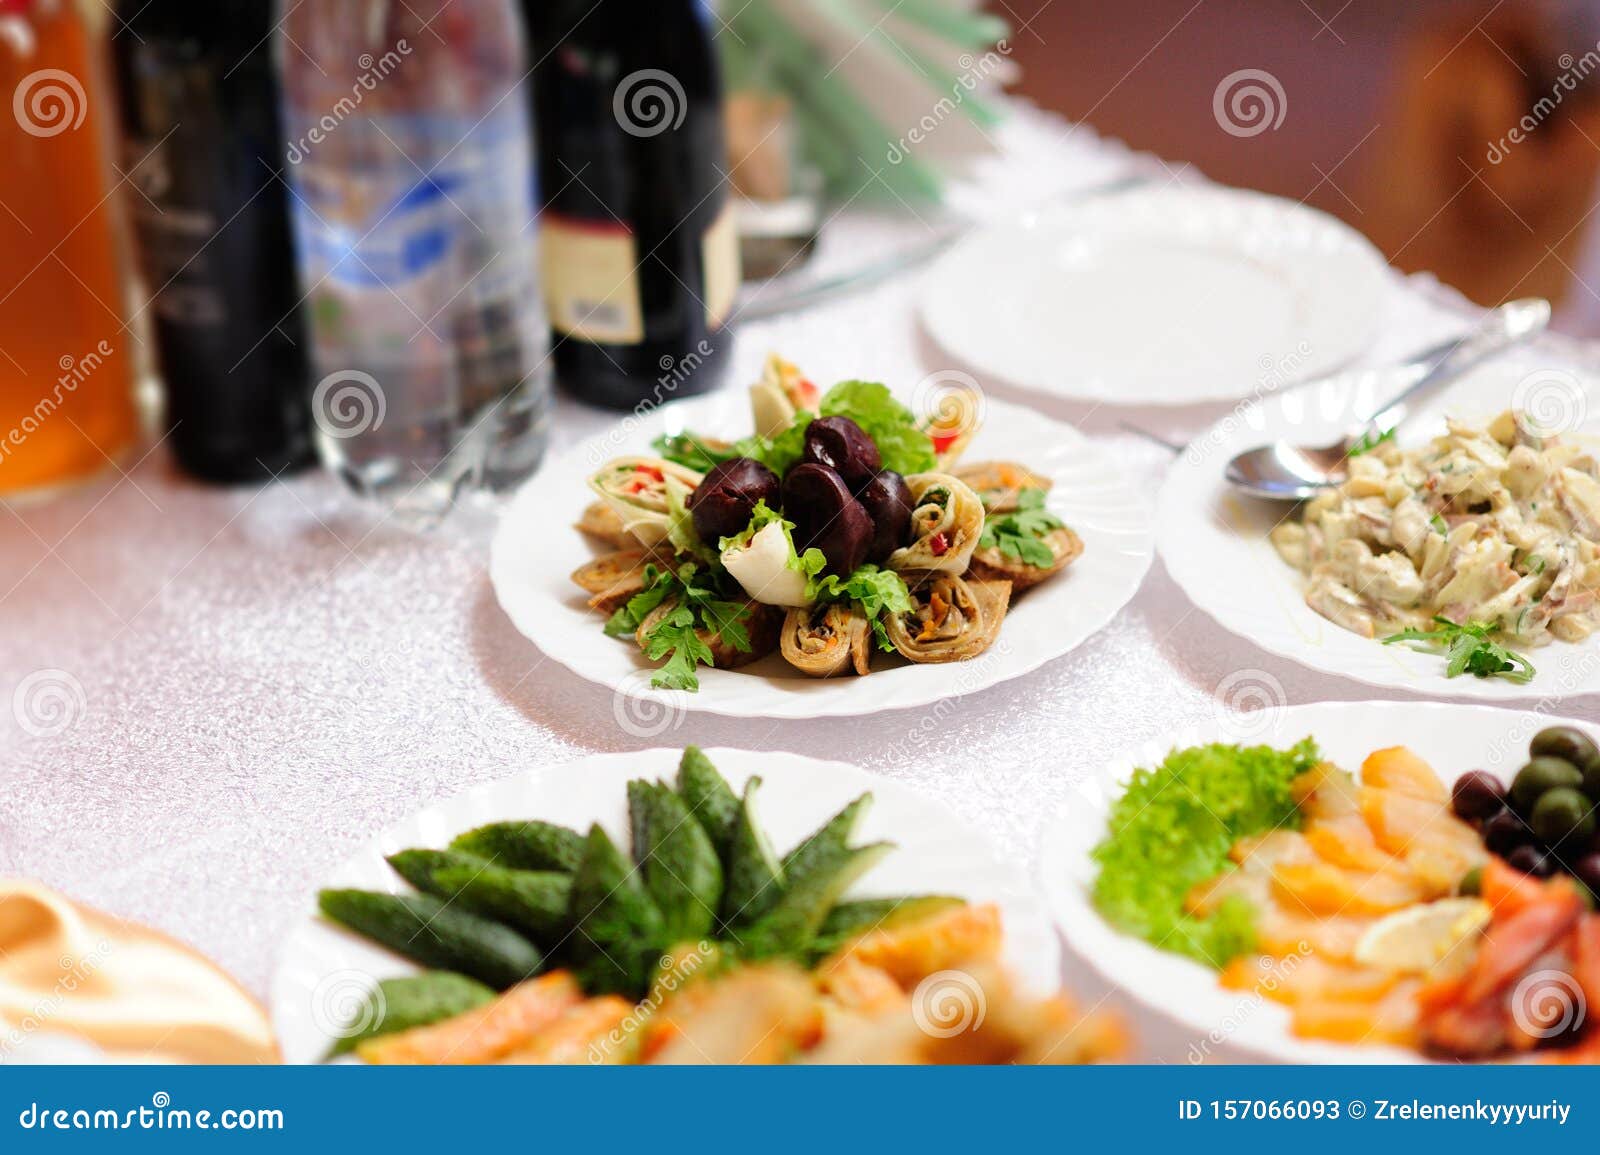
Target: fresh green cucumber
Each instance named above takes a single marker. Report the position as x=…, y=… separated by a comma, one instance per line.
x=534, y=902
x=791, y=925
x=396, y=1005
x=825, y=844
x=421, y=868
x=753, y=877
x=617, y=928
x=530, y=845
x=681, y=870
x=709, y=797
x=431, y=932
x=850, y=920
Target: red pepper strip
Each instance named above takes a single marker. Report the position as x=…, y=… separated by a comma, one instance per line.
x=940, y=545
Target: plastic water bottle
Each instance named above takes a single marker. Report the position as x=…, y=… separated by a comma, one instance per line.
x=410, y=157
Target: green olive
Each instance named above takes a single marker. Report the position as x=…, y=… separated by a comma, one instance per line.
x=1540, y=775
x=1471, y=884
x=1567, y=743
x=1563, y=814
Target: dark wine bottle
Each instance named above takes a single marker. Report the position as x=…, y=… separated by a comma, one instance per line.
x=204, y=153
x=640, y=248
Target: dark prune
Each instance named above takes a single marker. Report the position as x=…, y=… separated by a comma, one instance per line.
x=827, y=517
x=841, y=445
x=887, y=499
x=723, y=501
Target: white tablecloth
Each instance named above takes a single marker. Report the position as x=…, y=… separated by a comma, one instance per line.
x=253, y=683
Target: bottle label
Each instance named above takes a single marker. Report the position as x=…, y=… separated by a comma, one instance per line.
x=720, y=253
x=413, y=236
x=591, y=280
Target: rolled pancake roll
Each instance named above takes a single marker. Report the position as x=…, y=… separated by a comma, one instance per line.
x=635, y=489
x=601, y=522
x=998, y=483
x=824, y=640
x=762, y=623
x=607, y=570
x=951, y=619
x=946, y=522
x=992, y=565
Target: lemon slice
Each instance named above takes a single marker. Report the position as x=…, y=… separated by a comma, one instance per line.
x=1421, y=937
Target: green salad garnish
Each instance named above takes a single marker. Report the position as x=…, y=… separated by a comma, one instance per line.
x=1469, y=648
x=1172, y=829
x=1020, y=535
x=701, y=603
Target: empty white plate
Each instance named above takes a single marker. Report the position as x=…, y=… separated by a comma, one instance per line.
x=1159, y=296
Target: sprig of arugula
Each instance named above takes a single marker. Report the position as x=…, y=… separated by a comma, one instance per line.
x=698, y=605
x=875, y=592
x=1020, y=535
x=1469, y=648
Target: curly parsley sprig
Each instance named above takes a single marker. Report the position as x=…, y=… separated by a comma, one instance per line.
x=699, y=607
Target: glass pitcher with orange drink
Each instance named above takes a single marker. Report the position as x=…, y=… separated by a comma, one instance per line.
x=66, y=352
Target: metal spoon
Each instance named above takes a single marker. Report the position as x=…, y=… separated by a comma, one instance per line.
x=1284, y=472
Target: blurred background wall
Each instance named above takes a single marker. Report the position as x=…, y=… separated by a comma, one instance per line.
x=1403, y=118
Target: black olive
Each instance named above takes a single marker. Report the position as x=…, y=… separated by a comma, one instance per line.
x=826, y=517
x=841, y=445
x=1531, y=860
x=722, y=503
x=887, y=498
x=1477, y=796
x=1504, y=832
x=1587, y=871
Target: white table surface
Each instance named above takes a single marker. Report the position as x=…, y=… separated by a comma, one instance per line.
x=254, y=682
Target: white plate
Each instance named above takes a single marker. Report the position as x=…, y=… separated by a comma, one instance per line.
x=1164, y=296
x=1214, y=541
x=536, y=549
x=1451, y=738
x=323, y=970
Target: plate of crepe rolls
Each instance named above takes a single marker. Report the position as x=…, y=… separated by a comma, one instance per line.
x=793, y=551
